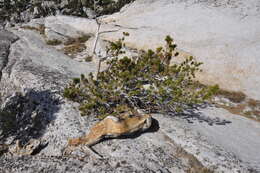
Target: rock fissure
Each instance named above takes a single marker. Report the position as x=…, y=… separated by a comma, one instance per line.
x=57, y=32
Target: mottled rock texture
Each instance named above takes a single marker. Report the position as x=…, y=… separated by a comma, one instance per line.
x=34, y=75
x=224, y=35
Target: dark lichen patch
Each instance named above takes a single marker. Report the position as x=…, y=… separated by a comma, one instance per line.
x=7, y=122
x=53, y=42
x=3, y=149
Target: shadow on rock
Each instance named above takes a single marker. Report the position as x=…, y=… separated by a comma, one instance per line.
x=193, y=114
x=25, y=117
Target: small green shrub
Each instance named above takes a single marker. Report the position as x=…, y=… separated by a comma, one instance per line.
x=53, y=42
x=146, y=82
x=88, y=58
x=81, y=39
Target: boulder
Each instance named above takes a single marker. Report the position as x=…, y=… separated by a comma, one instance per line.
x=34, y=108
x=221, y=34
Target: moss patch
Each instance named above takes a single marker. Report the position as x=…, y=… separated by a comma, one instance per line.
x=53, y=42
x=88, y=58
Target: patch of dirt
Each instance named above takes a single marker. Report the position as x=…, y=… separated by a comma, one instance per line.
x=238, y=103
x=73, y=46
x=40, y=29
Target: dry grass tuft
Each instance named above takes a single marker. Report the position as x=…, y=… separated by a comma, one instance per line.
x=243, y=106
x=81, y=39
x=236, y=97
x=253, y=103
x=238, y=109
x=40, y=29
x=75, y=45
x=74, y=49
x=241, y=109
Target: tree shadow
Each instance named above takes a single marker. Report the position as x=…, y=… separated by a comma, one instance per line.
x=193, y=114
x=25, y=117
